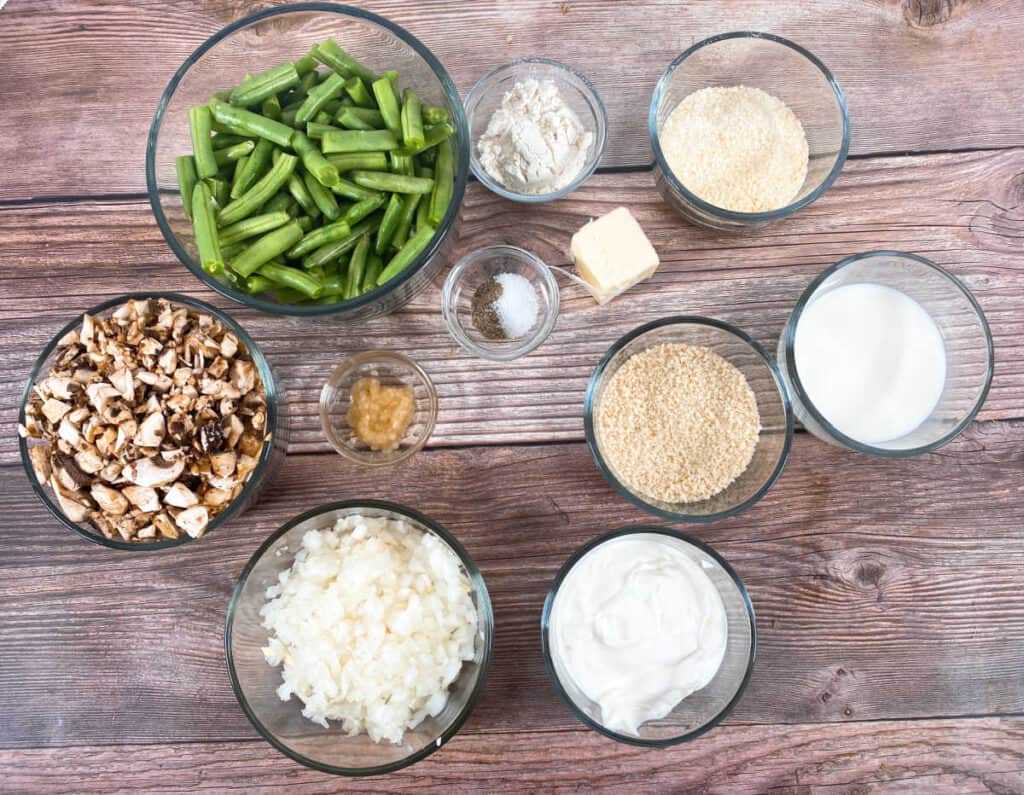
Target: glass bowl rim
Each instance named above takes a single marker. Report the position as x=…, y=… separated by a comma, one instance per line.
x=362, y=358
x=549, y=600
x=793, y=377
x=269, y=388
x=544, y=330
x=485, y=618
x=697, y=320
x=478, y=92
x=444, y=228
x=733, y=215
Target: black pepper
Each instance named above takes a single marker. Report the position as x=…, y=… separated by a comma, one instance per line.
x=485, y=316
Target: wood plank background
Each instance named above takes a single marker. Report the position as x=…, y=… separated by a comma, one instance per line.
x=888, y=593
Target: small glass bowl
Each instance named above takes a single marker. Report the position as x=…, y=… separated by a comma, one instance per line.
x=472, y=271
x=965, y=333
x=270, y=37
x=700, y=711
x=271, y=457
x=779, y=67
x=773, y=405
x=392, y=369
x=255, y=682
x=485, y=97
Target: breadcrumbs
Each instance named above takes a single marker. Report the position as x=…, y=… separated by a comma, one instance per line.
x=677, y=423
x=738, y=148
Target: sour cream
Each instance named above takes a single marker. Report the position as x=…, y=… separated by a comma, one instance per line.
x=637, y=626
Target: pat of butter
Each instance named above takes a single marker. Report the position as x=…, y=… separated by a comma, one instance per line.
x=612, y=253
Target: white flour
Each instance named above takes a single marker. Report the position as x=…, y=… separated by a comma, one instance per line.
x=534, y=142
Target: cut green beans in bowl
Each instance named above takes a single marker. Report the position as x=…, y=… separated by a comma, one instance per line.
x=310, y=159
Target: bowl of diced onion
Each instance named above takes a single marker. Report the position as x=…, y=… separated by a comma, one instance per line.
x=359, y=637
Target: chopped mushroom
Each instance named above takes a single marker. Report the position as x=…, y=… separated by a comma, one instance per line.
x=142, y=497
x=180, y=496
x=193, y=520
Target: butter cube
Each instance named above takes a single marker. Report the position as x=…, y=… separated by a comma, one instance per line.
x=612, y=253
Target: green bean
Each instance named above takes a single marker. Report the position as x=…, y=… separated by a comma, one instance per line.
x=319, y=96
x=356, y=89
x=224, y=140
x=348, y=119
x=324, y=198
x=288, y=117
x=266, y=248
x=443, y=183
x=330, y=54
x=205, y=228
x=352, y=191
x=413, y=247
x=260, y=193
x=257, y=284
x=409, y=204
x=202, y=147
x=239, y=168
x=333, y=108
x=392, y=183
x=402, y=163
x=332, y=251
x=271, y=108
x=316, y=130
x=293, y=278
x=254, y=168
x=307, y=82
x=388, y=224
x=412, y=120
x=323, y=117
x=227, y=252
x=358, y=141
x=220, y=189
x=297, y=188
x=281, y=202
x=348, y=161
x=318, y=274
x=313, y=160
x=392, y=75
x=428, y=157
x=358, y=211
x=252, y=123
x=264, y=85
x=320, y=237
x=305, y=222
x=357, y=267
x=185, y=166
x=334, y=283
x=228, y=129
x=423, y=208
x=252, y=226
x=434, y=135
x=387, y=102
x=306, y=64
x=434, y=114
x=233, y=153
x=373, y=268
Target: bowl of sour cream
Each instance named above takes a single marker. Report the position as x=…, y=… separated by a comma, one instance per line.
x=649, y=636
x=886, y=353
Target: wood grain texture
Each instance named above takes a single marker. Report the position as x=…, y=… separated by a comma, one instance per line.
x=961, y=211
x=967, y=757
x=863, y=614
x=917, y=75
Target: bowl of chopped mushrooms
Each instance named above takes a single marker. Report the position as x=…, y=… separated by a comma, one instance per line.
x=149, y=421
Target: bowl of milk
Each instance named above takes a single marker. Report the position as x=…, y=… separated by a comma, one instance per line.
x=886, y=353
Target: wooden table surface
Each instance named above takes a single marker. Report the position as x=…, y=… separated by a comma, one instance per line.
x=889, y=594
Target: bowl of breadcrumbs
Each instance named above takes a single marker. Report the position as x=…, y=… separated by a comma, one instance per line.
x=688, y=418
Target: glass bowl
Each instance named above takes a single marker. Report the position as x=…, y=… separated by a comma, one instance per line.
x=700, y=711
x=267, y=38
x=271, y=457
x=580, y=95
x=392, y=369
x=470, y=273
x=965, y=335
x=779, y=67
x=773, y=405
x=255, y=682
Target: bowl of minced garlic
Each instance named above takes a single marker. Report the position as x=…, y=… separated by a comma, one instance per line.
x=688, y=418
x=378, y=408
x=746, y=129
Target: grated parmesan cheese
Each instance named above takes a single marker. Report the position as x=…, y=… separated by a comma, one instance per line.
x=372, y=624
x=738, y=148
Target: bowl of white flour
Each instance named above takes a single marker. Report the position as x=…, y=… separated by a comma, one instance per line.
x=537, y=130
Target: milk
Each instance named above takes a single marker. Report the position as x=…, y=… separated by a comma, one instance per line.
x=872, y=361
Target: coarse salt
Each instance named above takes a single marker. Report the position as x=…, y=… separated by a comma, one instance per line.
x=516, y=307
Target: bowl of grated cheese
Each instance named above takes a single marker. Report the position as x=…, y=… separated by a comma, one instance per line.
x=746, y=128
x=359, y=637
